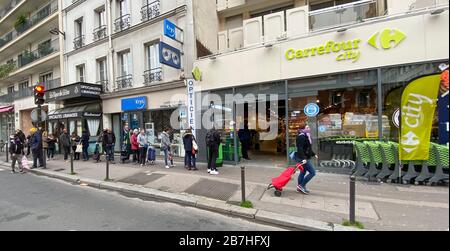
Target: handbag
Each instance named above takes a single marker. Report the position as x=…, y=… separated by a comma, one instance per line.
x=79, y=148
x=25, y=163
x=195, y=146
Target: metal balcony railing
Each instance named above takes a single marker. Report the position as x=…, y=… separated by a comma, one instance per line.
x=43, y=50
x=122, y=23
x=151, y=10
x=78, y=42
x=52, y=84
x=100, y=32
x=343, y=14
x=7, y=98
x=8, y=7
x=35, y=19
x=124, y=82
x=23, y=93
x=153, y=76
x=104, y=84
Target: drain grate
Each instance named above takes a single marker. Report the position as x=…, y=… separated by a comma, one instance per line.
x=213, y=189
x=59, y=170
x=142, y=178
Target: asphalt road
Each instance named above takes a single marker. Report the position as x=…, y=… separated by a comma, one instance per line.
x=29, y=202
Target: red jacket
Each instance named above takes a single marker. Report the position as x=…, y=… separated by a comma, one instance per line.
x=134, y=142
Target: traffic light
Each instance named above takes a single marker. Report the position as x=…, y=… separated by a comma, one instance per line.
x=39, y=95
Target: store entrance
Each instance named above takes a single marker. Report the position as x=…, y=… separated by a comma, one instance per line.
x=263, y=144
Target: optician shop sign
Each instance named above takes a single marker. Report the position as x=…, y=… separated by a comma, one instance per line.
x=349, y=50
x=134, y=104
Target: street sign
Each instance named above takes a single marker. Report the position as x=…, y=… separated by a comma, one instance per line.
x=34, y=116
x=312, y=110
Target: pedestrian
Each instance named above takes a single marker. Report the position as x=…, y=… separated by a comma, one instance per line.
x=51, y=141
x=64, y=140
x=44, y=143
x=28, y=144
x=245, y=138
x=126, y=143
x=75, y=140
x=190, y=148
x=85, y=136
x=143, y=146
x=304, y=155
x=36, y=147
x=135, y=146
x=165, y=147
x=109, y=140
x=213, y=141
x=16, y=150
x=2, y=145
x=21, y=136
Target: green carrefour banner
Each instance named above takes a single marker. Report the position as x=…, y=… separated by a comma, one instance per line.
x=419, y=103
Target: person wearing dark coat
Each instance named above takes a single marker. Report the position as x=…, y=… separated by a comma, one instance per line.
x=245, y=138
x=64, y=140
x=190, y=152
x=109, y=141
x=75, y=140
x=36, y=147
x=85, y=142
x=304, y=155
x=16, y=150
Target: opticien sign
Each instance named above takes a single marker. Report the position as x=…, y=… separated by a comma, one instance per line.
x=349, y=50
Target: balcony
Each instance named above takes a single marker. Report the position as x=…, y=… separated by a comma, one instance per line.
x=122, y=23
x=43, y=50
x=100, y=33
x=7, y=98
x=124, y=82
x=151, y=11
x=153, y=76
x=104, y=84
x=229, y=4
x=52, y=84
x=28, y=23
x=78, y=42
x=8, y=7
x=342, y=15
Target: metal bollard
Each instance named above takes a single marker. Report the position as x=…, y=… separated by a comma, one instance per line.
x=71, y=164
x=7, y=153
x=352, y=199
x=243, y=183
x=107, y=167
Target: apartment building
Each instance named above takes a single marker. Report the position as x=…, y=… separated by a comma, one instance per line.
x=29, y=54
x=113, y=72
x=338, y=65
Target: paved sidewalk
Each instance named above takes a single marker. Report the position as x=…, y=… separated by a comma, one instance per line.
x=379, y=206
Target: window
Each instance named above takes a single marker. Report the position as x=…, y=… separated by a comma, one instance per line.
x=101, y=16
x=80, y=73
x=23, y=85
x=153, y=56
x=45, y=78
x=11, y=89
x=329, y=4
x=125, y=63
x=79, y=27
x=102, y=70
x=123, y=8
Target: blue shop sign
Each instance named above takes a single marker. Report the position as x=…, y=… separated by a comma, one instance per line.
x=169, y=55
x=133, y=104
x=312, y=110
x=170, y=29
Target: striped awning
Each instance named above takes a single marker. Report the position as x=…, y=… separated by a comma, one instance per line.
x=4, y=109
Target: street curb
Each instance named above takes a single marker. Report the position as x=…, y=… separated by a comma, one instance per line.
x=221, y=207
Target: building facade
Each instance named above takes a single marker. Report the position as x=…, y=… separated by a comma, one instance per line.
x=338, y=66
x=117, y=46
x=29, y=54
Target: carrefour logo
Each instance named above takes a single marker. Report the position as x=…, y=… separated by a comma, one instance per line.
x=387, y=39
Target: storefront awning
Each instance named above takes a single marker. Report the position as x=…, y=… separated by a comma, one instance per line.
x=85, y=111
x=77, y=91
x=4, y=109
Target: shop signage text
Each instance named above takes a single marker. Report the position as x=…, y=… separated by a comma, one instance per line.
x=191, y=103
x=133, y=104
x=74, y=91
x=64, y=116
x=349, y=50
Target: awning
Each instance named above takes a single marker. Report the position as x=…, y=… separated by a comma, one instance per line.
x=4, y=109
x=84, y=111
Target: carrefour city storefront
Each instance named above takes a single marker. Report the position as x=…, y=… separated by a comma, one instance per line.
x=344, y=85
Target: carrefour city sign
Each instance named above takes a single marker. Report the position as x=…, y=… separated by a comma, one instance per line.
x=349, y=50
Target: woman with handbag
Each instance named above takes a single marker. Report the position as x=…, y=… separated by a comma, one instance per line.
x=191, y=149
x=76, y=146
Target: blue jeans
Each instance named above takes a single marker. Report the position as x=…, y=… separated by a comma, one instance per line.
x=189, y=159
x=302, y=180
x=166, y=156
x=85, y=152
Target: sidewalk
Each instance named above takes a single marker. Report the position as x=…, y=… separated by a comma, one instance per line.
x=379, y=206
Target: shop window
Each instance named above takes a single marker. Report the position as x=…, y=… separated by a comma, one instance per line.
x=364, y=99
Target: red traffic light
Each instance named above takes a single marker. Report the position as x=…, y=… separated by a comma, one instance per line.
x=39, y=89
